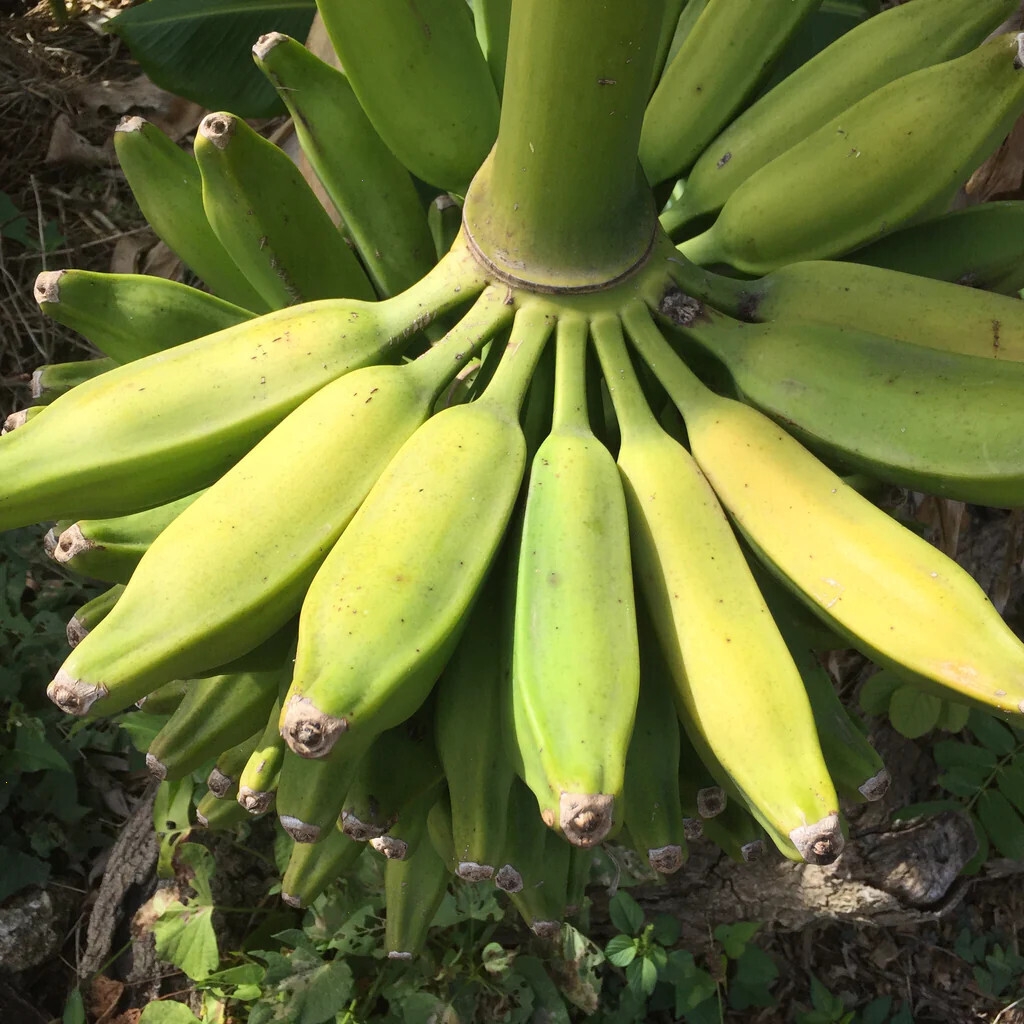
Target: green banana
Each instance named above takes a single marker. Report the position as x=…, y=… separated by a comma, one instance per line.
x=219, y=712
x=223, y=778
x=684, y=26
x=719, y=64
x=161, y=427
x=413, y=889
x=401, y=765
x=574, y=617
x=372, y=191
x=653, y=805
x=981, y=246
x=52, y=381
x=219, y=812
x=110, y=549
x=128, y=316
x=257, y=782
x=468, y=731
x=444, y=221
x=269, y=220
x=439, y=830
x=166, y=699
x=917, y=310
x=240, y=552
x=311, y=869
x=894, y=595
x=670, y=29
x=383, y=613
x=167, y=186
x=697, y=588
x=879, y=50
x=700, y=795
x=310, y=793
x=409, y=828
x=878, y=165
x=20, y=417
x=581, y=862
x=541, y=859
x=491, y=19
x=737, y=833
x=422, y=79
x=92, y=613
x=902, y=413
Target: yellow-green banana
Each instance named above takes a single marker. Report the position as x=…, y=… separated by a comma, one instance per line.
x=223, y=778
x=576, y=669
x=698, y=589
x=270, y=221
x=384, y=612
x=243, y=554
x=894, y=595
x=128, y=316
x=719, y=64
x=110, y=549
x=219, y=812
x=981, y=247
x=439, y=830
x=880, y=164
x=902, y=413
x=491, y=18
x=161, y=427
x=373, y=192
x=423, y=81
x=907, y=307
x=167, y=186
x=877, y=51
x=257, y=781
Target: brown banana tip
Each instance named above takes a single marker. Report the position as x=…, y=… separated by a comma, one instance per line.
x=76, y=631
x=1020, y=706
x=14, y=420
x=666, y=860
x=391, y=847
x=1018, y=60
x=74, y=696
x=50, y=543
x=546, y=929
x=396, y=954
x=36, y=383
x=299, y=830
x=131, y=123
x=308, y=731
x=156, y=767
x=820, y=842
x=47, y=286
x=72, y=542
x=693, y=828
x=508, y=879
x=877, y=786
x=255, y=801
x=266, y=43
x=358, y=830
x=752, y=851
x=201, y=820
x=218, y=128
x=711, y=801
x=473, y=872
x=219, y=783
x=444, y=202
x=292, y=901
x=585, y=818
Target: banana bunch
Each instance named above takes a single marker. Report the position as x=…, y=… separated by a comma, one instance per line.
x=481, y=573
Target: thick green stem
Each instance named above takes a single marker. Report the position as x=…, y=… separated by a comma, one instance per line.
x=562, y=203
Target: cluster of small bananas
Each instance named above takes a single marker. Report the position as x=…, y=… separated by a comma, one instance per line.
x=384, y=515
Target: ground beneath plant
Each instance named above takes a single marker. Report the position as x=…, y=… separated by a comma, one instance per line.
x=63, y=203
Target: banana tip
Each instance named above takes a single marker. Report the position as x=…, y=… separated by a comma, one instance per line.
x=693, y=828
x=72, y=542
x=74, y=696
x=218, y=128
x=821, y=842
x=36, y=383
x=752, y=851
x=308, y=731
x=16, y=419
x=508, y=879
x=219, y=783
x=50, y=543
x=681, y=309
x=358, y=830
x=711, y=801
x=202, y=820
x=76, y=632
x=299, y=830
x=666, y=860
x=47, y=286
x=131, y=123
x=156, y=767
x=255, y=801
x=397, y=954
x=877, y=786
x=546, y=929
x=292, y=901
x=266, y=43
x=391, y=847
x=585, y=818
x=473, y=872
x=1018, y=60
